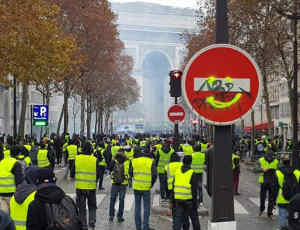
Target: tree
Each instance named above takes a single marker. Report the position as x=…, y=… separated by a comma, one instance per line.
x=33, y=46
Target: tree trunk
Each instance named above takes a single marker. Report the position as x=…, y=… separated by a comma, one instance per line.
x=268, y=107
x=23, y=111
x=60, y=120
x=66, y=105
x=88, y=117
x=82, y=115
x=96, y=122
x=290, y=93
x=106, y=128
x=47, y=103
x=100, y=121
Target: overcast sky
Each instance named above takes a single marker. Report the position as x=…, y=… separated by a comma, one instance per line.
x=175, y=3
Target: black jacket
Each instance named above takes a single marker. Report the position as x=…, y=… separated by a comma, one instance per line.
x=36, y=217
x=6, y=222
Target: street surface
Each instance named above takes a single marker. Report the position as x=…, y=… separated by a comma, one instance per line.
x=246, y=206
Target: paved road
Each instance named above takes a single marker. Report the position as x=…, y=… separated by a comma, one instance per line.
x=246, y=206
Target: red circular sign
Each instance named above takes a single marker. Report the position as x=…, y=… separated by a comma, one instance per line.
x=221, y=83
x=176, y=113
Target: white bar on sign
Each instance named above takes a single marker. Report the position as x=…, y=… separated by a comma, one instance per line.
x=176, y=114
x=238, y=84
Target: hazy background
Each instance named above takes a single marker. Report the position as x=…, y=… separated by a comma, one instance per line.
x=175, y=3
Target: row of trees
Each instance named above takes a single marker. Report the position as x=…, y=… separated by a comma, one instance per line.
x=257, y=27
x=70, y=47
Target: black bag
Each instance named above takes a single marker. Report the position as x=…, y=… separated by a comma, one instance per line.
x=290, y=185
x=118, y=174
x=63, y=215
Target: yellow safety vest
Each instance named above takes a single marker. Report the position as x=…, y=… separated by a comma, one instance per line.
x=280, y=177
x=18, y=212
x=27, y=161
x=7, y=179
x=103, y=162
x=42, y=158
x=204, y=147
x=234, y=156
x=130, y=154
x=65, y=145
x=72, y=151
x=171, y=169
x=114, y=150
x=187, y=149
x=142, y=177
x=28, y=147
x=266, y=165
x=182, y=185
x=85, y=172
x=126, y=173
x=164, y=159
x=198, y=160
x=6, y=153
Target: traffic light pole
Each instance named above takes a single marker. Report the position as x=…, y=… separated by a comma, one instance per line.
x=222, y=213
x=176, y=129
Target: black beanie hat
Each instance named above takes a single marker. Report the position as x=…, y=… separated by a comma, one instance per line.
x=187, y=160
x=45, y=175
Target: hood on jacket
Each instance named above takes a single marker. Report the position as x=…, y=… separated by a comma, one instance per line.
x=120, y=157
x=23, y=191
x=49, y=193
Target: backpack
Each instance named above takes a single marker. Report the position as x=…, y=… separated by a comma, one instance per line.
x=260, y=147
x=63, y=215
x=290, y=185
x=118, y=174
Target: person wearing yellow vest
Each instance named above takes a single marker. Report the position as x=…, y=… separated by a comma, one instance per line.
x=28, y=147
x=187, y=149
x=43, y=160
x=171, y=169
x=267, y=179
x=129, y=152
x=115, y=148
x=21, y=200
x=204, y=146
x=11, y=175
x=198, y=161
x=162, y=159
x=119, y=169
x=286, y=174
x=86, y=184
x=47, y=193
x=143, y=173
x=185, y=196
x=236, y=172
x=72, y=151
x=100, y=154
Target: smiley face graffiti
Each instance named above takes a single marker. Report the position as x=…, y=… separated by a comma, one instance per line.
x=220, y=87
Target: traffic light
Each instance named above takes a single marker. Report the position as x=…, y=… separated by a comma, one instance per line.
x=175, y=83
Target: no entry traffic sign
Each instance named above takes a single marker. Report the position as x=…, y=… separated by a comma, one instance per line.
x=221, y=83
x=176, y=113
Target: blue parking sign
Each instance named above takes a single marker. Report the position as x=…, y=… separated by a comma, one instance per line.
x=40, y=112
